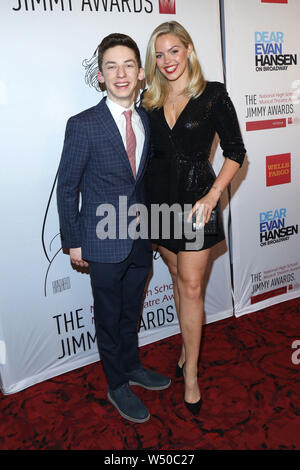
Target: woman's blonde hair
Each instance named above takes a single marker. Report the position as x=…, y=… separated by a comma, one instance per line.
x=158, y=86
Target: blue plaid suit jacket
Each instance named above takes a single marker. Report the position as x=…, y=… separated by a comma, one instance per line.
x=94, y=159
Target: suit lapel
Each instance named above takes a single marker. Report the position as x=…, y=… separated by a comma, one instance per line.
x=146, y=143
x=111, y=129
x=109, y=126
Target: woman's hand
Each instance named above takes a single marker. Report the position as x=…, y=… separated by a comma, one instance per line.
x=204, y=206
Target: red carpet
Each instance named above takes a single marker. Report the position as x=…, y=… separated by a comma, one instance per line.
x=249, y=384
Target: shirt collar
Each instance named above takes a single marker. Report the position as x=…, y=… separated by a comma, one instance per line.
x=116, y=109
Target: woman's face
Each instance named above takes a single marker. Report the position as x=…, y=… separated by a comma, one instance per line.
x=172, y=57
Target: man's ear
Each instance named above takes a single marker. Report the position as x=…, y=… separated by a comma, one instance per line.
x=100, y=77
x=141, y=75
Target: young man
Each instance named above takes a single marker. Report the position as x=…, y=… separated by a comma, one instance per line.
x=105, y=155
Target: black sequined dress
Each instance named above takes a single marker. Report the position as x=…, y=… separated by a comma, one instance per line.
x=179, y=171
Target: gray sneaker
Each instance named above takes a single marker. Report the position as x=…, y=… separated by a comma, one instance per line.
x=128, y=404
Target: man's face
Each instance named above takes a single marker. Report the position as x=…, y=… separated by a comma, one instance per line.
x=120, y=73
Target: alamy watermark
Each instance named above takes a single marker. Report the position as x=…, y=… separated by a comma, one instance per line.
x=163, y=221
x=296, y=354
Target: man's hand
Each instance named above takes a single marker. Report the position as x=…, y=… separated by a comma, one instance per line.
x=76, y=258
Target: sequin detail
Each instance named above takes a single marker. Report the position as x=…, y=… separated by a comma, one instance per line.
x=180, y=171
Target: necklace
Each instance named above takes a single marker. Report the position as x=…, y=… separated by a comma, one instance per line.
x=177, y=97
x=177, y=103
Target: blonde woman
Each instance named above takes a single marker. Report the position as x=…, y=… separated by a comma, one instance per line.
x=185, y=112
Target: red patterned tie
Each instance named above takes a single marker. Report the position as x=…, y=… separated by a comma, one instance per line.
x=130, y=141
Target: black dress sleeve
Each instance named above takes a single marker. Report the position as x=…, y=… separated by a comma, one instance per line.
x=227, y=126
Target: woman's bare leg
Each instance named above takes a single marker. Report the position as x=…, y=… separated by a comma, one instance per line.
x=191, y=269
x=170, y=259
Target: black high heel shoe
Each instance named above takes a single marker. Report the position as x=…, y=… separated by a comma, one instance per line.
x=194, y=408
x=179, y=371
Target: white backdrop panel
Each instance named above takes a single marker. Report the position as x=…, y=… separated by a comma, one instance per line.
x=262, y=64
x=46, y=321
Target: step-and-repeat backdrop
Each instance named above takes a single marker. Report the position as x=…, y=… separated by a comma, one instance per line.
x=263, y=76
x=46, y=324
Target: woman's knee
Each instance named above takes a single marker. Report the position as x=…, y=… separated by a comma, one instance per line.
x=189, y=288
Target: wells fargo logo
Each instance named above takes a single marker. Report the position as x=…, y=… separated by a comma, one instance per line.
x=278, y=169
x=167, y=6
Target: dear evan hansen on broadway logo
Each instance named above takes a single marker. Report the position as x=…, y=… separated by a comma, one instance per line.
x=270, y=53
x=273, y=227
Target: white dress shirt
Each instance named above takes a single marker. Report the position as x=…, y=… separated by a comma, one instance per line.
x=137, y=125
